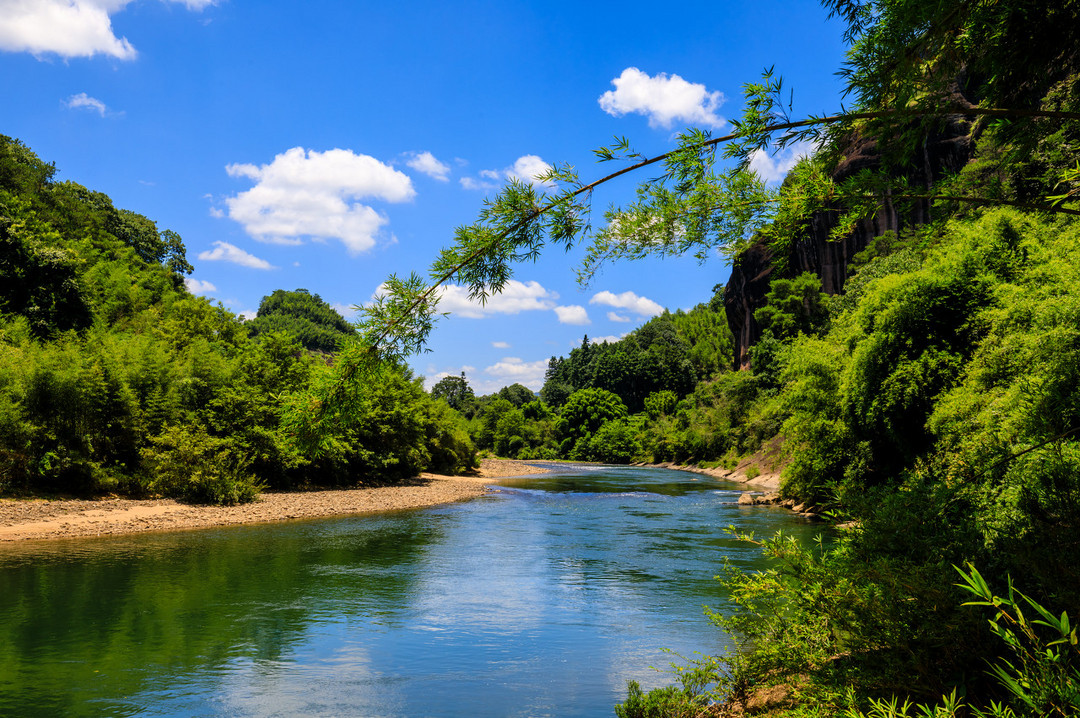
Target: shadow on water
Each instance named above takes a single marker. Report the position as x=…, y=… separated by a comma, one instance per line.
x=541, y=599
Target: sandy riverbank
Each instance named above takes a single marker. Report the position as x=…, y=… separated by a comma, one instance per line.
x=22, y=519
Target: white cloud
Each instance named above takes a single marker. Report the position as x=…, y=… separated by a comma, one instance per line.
x=616, y=317
x=525, y=169
x=349, y=311
x=573, y=314
x=433, y=376
x=68, y=28
x=528, y=168
x=225, y=252
x=426, y=163
x=610, y=339
x=304, y=193
x=774, y=168
x=642, y=306
x=513, y=370
x=516, y=297
x=471, y=183
x=83, y=101
x=198, y=286
x=501, y=345
x=663, y=99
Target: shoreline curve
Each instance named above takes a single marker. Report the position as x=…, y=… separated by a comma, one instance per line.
x=36, y=519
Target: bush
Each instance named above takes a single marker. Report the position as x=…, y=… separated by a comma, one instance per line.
x=185, y=461
x=614, y=443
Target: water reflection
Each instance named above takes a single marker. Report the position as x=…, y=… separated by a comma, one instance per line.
x=542, y=599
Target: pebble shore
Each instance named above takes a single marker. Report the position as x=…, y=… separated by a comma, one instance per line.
x=24, y=519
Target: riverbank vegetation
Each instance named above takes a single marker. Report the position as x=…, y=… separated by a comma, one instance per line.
x=929, y=400
x=114, y=378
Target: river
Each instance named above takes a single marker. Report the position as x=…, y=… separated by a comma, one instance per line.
x=541, y=599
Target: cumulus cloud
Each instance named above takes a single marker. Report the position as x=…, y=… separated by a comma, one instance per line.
x=516, y=297
x=471, y=183
x=513, y=370
x=525, y=169
x=433, y=376
x=198, y=286
x=663, y=99
x=68, y=28
x=225, y=252
x=573, y=314
x=528, y=168
x=610, y=339
x=304, y=193
x=501, y=345
x=349, y=311
x=81, y=28
x=616, y=317
x=773, y=168
x=642, y=306
x=425, y=162
x=83, y=101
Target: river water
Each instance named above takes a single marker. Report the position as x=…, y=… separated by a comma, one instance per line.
x=542, y=599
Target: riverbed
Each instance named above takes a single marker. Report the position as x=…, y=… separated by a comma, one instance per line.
x=541, y=598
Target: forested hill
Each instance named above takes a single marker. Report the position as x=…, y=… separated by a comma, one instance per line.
x=669, y=352
x=114, y=378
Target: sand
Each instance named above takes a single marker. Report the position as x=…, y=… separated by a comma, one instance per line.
x=22, y=519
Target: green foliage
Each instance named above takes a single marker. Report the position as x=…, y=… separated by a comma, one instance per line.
x=114, y=378
x=584, y=413
x=517, y=394
x=456, y=392
x=38, y=279
x=447, y=440
x=186, y=461
x=660, y=403
x=1045, y=680
x=670, y=352
x=689, y=699
x=303, y=315
x=377, y=425
x=793, y=307
x=615, y=442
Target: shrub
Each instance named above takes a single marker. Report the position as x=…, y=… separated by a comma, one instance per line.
x=186, y=462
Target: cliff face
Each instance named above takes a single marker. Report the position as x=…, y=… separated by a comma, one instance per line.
x=941, y=154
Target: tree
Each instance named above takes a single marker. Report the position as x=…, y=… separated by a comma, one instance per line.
x=303, y=315
x=793, y=306
x=455, y=391
x=582, y=415
x=517, y=394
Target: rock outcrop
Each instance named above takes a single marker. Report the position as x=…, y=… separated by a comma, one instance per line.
x=942, y=153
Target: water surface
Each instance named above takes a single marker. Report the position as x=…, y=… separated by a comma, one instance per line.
x=542, y=599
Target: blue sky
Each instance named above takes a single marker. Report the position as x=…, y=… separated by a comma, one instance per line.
x=325, y=145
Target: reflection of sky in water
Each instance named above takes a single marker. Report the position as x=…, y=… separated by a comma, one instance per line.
x=543, y=599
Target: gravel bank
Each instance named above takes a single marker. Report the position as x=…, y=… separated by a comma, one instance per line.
x=22, y=519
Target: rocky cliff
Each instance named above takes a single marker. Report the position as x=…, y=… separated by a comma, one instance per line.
x=941, y=153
